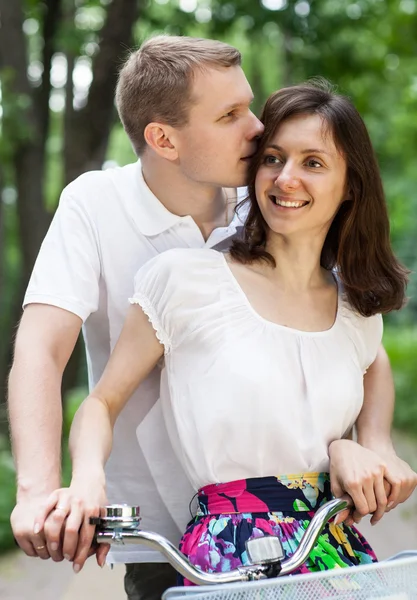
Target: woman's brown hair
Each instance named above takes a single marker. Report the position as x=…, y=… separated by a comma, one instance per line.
x=358, y=241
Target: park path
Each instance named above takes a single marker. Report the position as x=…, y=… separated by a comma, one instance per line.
x=24, y=578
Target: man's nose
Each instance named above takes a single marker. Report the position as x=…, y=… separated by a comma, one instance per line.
x=257, y=127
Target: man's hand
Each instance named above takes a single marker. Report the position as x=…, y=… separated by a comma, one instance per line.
x=22, y=519
x=66, y=516
x=361, y=473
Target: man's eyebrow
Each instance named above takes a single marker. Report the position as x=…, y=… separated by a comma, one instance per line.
x=235, y=105
x=306, y=151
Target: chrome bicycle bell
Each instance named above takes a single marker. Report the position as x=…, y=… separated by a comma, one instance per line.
x=265, y=550
x=118, y=516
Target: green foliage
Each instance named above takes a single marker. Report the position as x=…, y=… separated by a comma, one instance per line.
x=401, y=345
x=13, y=122
x=7, y=496
x=367, y=48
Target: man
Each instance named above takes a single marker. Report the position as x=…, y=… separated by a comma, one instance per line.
x=185, y=105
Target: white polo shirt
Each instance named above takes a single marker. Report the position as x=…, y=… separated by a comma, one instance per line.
x=108, y=224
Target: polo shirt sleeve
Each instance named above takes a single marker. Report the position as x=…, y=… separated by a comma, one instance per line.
x=67, y=270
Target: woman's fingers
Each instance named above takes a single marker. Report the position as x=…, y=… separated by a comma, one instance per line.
x=55, y=524
x=381, y=500
x=102, y=552
x=72, y=528
x=44, y=511
x=86, y=537
x=355, y=490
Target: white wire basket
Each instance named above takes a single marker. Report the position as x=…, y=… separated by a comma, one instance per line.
x=394, y=579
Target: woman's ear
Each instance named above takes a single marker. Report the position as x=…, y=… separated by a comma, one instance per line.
x=157, y=137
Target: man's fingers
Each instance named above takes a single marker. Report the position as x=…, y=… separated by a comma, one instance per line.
x=21, y=521
x=40, y=546
x=26, y=546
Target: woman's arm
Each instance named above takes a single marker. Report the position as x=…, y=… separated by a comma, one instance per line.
x=373, y=428
x=370, y=471
x=373, y=425
x=135, y=355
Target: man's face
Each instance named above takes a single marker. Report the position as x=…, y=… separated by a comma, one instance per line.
x=220, y=136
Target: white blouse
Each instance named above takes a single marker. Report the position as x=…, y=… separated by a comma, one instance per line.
x=243, y=396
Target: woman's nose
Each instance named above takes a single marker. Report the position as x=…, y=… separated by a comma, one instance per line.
x=287, y=179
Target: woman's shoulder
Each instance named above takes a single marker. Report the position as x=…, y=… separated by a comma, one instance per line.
x=365, y=332
x=183, y=268
x=181, y=262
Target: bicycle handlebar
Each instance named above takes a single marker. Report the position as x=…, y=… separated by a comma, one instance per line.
x=119, y=529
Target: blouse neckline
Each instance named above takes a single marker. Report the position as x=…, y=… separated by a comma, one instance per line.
x=272, y=324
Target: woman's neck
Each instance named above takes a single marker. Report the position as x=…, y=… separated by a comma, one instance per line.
x=297, y=262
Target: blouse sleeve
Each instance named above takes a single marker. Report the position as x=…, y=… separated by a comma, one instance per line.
x=372, y=333
x=154, y=291
x=164, y=289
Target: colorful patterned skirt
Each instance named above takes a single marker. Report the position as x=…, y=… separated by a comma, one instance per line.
x=231, y=513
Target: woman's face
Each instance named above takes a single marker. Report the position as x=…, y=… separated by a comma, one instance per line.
x=302, y=178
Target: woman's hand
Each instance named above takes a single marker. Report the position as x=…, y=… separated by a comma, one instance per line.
x=361, y=473
x=65, y=517
x=400, y=476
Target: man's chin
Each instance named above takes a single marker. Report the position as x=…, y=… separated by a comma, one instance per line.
x=236, y=182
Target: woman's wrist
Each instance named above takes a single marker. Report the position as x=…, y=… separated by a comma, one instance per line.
x=88, y=477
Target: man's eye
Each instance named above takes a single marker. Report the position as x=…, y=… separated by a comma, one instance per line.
x=229, y=114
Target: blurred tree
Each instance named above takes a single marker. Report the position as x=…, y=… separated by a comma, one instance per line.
x=27, y=115
x=54, y=130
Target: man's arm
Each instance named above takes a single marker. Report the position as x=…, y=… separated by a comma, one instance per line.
x=136, y=353
x=44, y=343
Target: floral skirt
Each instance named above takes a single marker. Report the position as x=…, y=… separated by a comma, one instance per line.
x=231, y=513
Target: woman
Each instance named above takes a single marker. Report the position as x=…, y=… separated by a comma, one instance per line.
x=266, y=348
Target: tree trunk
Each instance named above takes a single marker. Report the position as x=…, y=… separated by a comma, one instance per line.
x=86, y=131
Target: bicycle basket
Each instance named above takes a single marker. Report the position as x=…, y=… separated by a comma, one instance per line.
x=391, y=580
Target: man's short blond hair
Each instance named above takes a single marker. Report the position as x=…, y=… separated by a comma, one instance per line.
x=155, y=82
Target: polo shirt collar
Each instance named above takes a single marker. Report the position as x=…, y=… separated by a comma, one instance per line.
x=152, y=216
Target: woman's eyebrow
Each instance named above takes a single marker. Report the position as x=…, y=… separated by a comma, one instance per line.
x=306, y=151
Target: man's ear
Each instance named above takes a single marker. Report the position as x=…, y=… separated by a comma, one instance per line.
x=158, y=138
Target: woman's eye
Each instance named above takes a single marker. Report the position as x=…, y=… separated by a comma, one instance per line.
x=271, y=160
x=315, y=164
x=229, y=114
